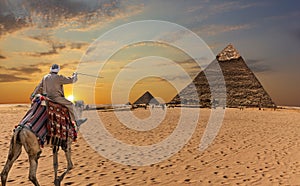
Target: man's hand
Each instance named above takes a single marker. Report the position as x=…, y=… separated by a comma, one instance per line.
x=31, y=97
x=74, y=76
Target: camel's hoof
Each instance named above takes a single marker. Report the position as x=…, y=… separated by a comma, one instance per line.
x=70, y=167
x=57, y=182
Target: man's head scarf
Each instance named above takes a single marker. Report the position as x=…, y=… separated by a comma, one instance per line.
x=55, y=68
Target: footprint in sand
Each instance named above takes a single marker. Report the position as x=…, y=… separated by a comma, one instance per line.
x=90, y=184
x=69, y=183
x=187, y=180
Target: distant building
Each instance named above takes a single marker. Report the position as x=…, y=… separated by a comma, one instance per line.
x=242, y=86
x=146, y=99
x=79, y=106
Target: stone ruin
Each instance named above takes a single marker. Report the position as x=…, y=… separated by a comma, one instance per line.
x=242, y=86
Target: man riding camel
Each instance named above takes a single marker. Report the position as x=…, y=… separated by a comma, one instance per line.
x=52, y=86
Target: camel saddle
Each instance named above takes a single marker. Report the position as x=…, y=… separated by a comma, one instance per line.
x=50, y=122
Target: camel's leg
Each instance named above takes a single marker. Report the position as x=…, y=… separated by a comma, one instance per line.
x=55, y=165
x=68, y=155
x=67, y=151
x=15, y=150
x=33, y=160
x=32, y=147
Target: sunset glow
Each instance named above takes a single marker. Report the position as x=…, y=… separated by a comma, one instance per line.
x=33, y=38
x=70, y=98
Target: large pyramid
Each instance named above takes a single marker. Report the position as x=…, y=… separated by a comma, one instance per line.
x=146, y=98
x=242, y=86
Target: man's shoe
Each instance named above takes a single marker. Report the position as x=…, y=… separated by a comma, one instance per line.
x=80, y=121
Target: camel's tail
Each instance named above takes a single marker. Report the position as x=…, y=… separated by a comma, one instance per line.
x=14, y=140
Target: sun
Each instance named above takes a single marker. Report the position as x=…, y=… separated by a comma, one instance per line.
x=70, y=98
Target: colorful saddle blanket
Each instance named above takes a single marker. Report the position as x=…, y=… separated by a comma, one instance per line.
x=51, y=123
x=36, y=120
x=60, y=127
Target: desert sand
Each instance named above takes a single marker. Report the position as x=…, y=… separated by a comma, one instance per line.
x=253, y=147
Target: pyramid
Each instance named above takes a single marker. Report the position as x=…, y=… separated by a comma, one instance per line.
x=242, y=86
x=228, y=53
x=146, y=98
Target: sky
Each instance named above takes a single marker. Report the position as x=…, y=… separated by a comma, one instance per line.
x=78, y=35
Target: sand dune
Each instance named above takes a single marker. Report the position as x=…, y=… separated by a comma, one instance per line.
x=252, y=148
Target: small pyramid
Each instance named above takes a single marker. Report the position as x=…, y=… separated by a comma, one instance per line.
x=228, y=53
x=242, y=86
x=146, y=98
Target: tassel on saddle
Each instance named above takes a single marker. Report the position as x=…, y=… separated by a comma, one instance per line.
x=49, y=121
x=60, y=127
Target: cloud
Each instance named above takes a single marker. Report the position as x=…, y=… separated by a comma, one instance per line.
x=78, y=45
x=54, y=50
x=257, y=65
x=151, y=79
x=212, y=30
x=173, y=36
x=204, y=10
x=50, y=52
x=9, y=23
x=56, y=45
x=194, y=8
x=15, y=73
x=22, y=70
x=146, y=43
x=15, y=15
x=232, y=5
x=283, y=16
x=10, y=78
x=26, y=70
x=71, y=65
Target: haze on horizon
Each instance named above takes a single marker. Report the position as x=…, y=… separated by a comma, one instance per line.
x=36, y=34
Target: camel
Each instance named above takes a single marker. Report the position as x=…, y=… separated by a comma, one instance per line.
x=23, y=136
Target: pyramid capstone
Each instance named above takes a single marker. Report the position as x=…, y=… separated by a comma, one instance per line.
x=228, y=53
